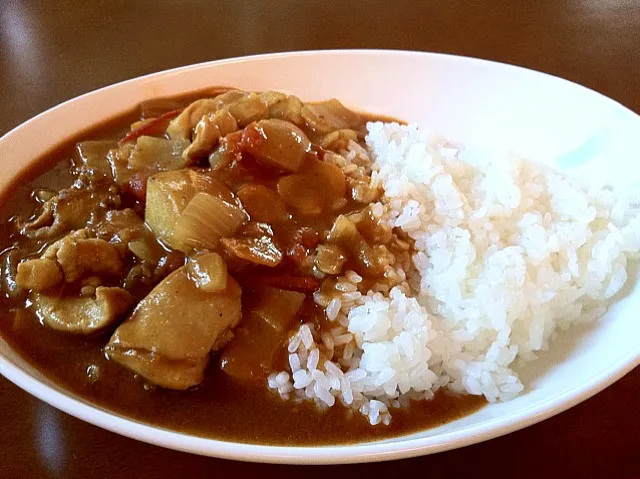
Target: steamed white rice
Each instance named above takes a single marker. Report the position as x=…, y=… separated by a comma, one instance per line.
x=507, y=252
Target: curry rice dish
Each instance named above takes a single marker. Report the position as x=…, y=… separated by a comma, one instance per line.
x=247, y=266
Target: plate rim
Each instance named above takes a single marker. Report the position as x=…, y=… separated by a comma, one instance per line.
x=396, y=448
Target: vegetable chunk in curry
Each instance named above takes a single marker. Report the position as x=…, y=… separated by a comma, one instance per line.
x=193, y=245
x=234, y=186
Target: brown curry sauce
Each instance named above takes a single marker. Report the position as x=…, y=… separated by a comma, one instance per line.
x=220, y=407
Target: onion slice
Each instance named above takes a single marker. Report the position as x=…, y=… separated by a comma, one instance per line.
x=205, y=220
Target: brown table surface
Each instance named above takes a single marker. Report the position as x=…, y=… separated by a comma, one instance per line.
x=53, y=51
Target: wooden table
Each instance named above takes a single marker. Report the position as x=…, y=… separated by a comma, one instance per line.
x=53, y=51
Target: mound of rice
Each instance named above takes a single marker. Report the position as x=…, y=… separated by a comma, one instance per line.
x=507, y=252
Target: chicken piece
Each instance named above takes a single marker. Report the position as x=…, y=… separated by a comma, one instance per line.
x=288, y=109
x=90, y=256
x=93, y=155
x=38, y=274
x=72, y=208
x=166, y=373
x=327, y=116
x=249, y=108
x=271, y=98
x=127, y=231
x=208, y=132
x=70, y=258
x=176, y=322
x=182, y=126
x=78, y=255
x=224, y=100
x=82, y=314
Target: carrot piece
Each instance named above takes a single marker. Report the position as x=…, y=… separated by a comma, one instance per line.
x=153, y=127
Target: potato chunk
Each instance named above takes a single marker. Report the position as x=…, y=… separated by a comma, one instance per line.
x=157, y=154
x=249, y=358
x=169, y=193
x=38, y=274
x=276, y=307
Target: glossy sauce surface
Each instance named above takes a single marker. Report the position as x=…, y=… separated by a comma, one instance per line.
x=220, y=407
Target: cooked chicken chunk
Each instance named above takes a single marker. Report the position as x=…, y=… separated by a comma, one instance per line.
x=245, y=108
x=38, y=274
x=128, y=232
x=70, y=209
x=82, y=314
x=78, y=255
x=183, y=124
x=208, y=132
x=166, y=373
x=89, y=256
x=121, y=224
x=176, y=322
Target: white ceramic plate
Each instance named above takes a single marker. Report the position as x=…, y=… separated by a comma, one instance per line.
x=468, y=100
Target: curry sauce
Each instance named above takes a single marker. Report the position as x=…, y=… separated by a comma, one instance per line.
x=221, y=406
